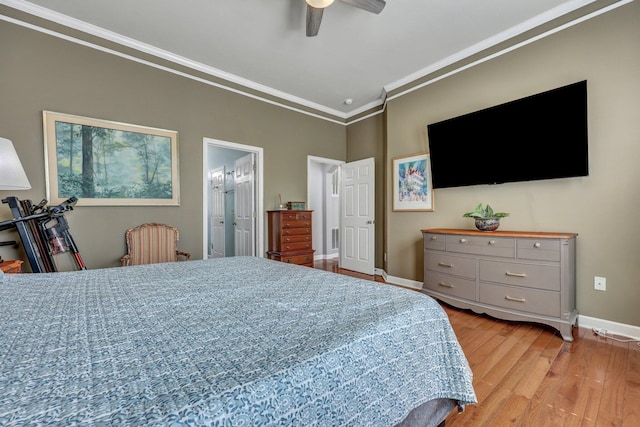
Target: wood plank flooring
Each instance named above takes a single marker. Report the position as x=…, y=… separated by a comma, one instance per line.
x=526, y=375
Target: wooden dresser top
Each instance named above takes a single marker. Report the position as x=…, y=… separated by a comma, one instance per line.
x=500, y=233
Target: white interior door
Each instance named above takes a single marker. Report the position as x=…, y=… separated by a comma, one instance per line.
x=245, y=212
x=217, y=209
x=357, y=216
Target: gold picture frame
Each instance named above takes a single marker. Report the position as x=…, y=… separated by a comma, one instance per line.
x=412, y=188
x=106, y=163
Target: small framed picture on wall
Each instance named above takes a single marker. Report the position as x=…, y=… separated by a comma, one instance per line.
x=412, y=188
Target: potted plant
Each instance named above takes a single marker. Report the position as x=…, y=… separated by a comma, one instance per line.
x=486, y=219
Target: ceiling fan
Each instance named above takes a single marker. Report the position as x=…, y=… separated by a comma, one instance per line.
x=316, y=7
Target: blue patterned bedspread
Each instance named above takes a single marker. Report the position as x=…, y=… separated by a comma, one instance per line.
x=230, y=342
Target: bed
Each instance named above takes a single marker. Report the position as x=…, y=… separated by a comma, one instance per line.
x=238, y=341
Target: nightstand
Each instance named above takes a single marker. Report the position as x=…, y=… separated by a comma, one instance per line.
x=11, y=266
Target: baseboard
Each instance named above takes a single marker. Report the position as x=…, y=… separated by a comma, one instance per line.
x=402, y=282
x=325, y=256
x=616, y=328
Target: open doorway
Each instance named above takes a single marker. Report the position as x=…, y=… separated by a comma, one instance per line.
x=323, y=197
x=233, y=222
x=342, y=197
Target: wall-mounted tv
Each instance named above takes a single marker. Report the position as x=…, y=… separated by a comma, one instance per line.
x=543, y=136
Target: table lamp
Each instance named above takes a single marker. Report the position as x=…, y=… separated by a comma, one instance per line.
x=12, y=176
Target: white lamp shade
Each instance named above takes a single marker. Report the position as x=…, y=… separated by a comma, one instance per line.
x=12, y=176
x=319, y=4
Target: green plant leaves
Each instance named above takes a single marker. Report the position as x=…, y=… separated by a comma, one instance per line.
x=485, y=213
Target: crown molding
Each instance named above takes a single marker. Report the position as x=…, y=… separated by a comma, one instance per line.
x=336, y=116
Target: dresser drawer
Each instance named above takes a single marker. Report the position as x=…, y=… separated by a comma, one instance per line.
x=538, y=249
x=296, y=238
x=296, y=231
x=450, y=285
x=305, y=259
x=449, y=264
x=520, y=274
x=434, y=241
x=296, y=224
x=295, y=246
x=296, y=216
x=521, y=299
x=481, y=245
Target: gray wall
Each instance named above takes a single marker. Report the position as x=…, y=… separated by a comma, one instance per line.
x=40, y=72
x=602, y=208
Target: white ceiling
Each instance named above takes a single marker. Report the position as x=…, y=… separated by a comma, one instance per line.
x=261, y=44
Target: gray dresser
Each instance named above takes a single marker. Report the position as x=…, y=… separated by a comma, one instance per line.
x=525, y=276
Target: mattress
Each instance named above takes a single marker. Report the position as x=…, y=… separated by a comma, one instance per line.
x=233, y=341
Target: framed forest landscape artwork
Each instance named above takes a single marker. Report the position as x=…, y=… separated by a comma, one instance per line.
x=105, y=163
x=412, y=189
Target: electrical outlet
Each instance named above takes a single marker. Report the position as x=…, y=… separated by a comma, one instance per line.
x=600, y=283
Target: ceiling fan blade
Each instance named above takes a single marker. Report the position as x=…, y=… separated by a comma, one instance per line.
x=373, y=6
x=314, y=17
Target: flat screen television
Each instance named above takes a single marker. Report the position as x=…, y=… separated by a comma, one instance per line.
x=543, y=136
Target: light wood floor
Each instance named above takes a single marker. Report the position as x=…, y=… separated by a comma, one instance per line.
x=526, y=375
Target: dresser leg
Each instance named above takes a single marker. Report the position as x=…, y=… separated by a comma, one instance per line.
x=567, y=332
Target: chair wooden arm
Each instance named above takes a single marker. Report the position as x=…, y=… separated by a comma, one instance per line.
x=187, y=255
x=124, y=261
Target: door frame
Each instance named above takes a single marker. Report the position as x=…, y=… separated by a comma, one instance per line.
x=210, y=223
x=259, y=189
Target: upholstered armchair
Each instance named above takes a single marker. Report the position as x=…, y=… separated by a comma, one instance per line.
x=152, y=243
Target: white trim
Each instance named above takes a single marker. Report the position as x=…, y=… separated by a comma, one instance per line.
x=402, y=282
x=259, y=152
x=616, y=328
x=324, y=256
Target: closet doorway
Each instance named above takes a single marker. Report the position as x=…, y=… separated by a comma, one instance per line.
x=233, y=197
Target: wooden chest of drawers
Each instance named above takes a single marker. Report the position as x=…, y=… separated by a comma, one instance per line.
x=290, y=236
x=525, y=276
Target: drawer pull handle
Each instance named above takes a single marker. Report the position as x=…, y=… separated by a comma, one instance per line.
x=492, y=242
x=508, y=298
x=508, y=273
x=537, y=245
x=463, y=240
x=444, y=264
x=446, y=285
x=434, y=237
